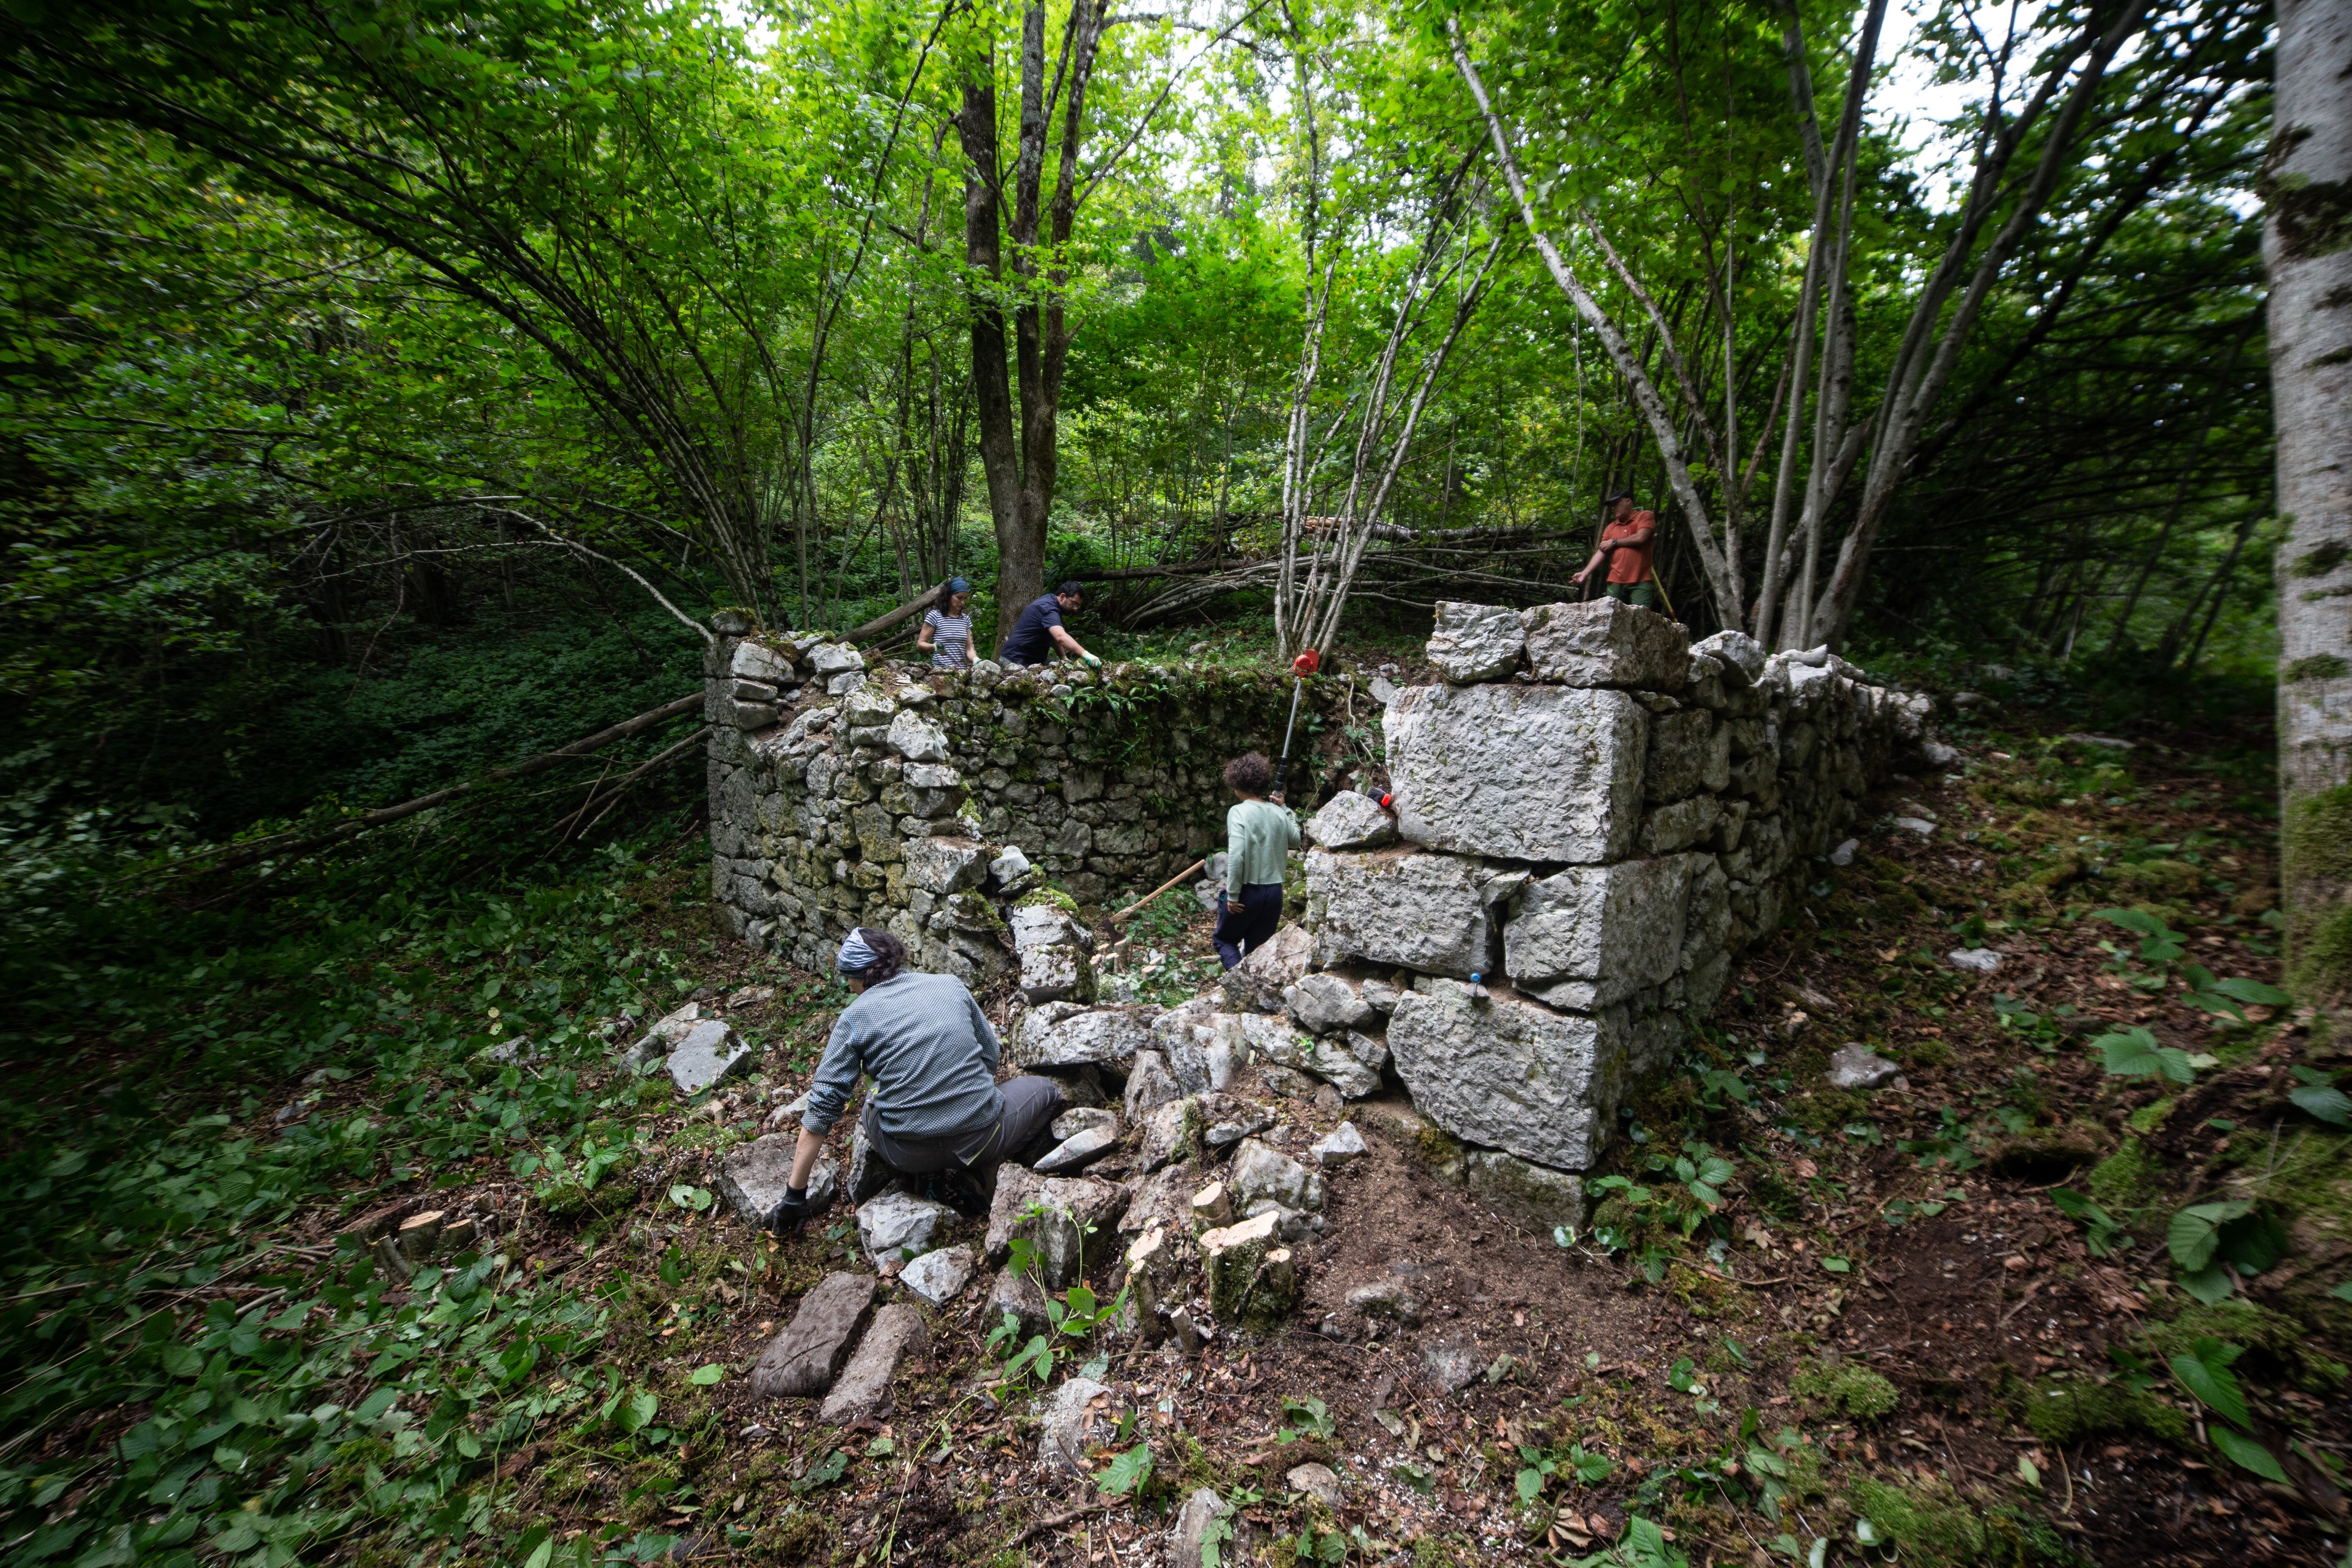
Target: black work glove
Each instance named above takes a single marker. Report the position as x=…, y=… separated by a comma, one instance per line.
x=792, y=1211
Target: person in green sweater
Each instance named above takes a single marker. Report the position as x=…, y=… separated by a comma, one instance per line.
x=1260, y=833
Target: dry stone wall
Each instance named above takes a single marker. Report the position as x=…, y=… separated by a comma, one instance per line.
x=1587, y=820
x=845, y=793
x=1595, y=818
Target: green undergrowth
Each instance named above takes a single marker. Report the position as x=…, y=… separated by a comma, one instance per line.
x=189, y=1357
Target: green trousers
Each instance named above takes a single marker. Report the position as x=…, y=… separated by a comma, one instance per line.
x=1642, y=595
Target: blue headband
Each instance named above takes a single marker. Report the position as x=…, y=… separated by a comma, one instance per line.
x=857, y=957
x=957, y=585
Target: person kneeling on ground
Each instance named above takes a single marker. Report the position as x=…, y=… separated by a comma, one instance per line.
x=1260, y=833
x=935, y=1109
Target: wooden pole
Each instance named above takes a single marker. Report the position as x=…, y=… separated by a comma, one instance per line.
x=1156, y=892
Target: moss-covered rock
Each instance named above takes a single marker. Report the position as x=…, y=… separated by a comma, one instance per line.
x=2126, y=1178
x=2065, y=1412
x=1934, y=1527
x=1849, y=1390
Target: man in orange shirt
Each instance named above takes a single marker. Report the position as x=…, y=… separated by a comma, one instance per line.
x=1625, y=542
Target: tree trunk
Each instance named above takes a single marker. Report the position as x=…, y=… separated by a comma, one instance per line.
x=2307, y=242
x=1019, y=567
x=1022, y=461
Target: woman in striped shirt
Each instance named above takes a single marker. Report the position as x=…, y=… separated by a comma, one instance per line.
x=947, y=638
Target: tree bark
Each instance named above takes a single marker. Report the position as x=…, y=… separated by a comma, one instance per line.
x=983, y=252
x=2307, y=242
x=1021, y=453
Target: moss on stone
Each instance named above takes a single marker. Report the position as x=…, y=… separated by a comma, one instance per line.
x=1049, y=896
x=1826, y=1110
x=2170, y=878
x=2065, y=1413
x=2126, y=1178
x=1850, y=1390
x=1927, y=1053
x=1934, y=1527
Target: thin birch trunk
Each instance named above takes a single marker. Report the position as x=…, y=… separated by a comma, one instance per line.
x=1645, y=394
x=2304, y=187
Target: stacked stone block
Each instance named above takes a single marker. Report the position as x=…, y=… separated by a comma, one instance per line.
x=845, y=793
x=1595, y=818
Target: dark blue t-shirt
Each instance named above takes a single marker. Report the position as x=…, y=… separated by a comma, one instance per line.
x=1032, y=643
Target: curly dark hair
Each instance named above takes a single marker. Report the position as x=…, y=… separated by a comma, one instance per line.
x=1250, y=773
x=889, y=956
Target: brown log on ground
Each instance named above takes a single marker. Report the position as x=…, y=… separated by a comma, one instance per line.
x=300, y=843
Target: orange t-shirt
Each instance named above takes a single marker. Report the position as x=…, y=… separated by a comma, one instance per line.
x=1630, y=564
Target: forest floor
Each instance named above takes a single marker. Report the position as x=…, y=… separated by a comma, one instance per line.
x=2060, y=1293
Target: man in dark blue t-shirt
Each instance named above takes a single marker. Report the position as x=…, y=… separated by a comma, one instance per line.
x=1039, y=631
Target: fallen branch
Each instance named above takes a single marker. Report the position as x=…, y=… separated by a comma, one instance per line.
x=299, y=842
x=1054, y=1521
x=883, y=622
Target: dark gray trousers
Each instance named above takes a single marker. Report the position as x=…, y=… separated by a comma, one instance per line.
x=1021, y=1134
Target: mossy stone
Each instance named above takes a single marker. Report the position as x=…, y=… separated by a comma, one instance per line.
x=1850, y=1390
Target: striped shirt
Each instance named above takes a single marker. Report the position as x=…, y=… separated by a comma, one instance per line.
x=950, y=635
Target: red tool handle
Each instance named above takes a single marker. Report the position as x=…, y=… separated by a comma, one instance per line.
x=1307, y=663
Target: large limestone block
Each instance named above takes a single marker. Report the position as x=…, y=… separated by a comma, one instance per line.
x=1595, y=934
x=710, y=1052
x=1257, y=982
x=1260, y=1170
x=943, y=866
x=752, y=661
x=1742, y=656
x=830, y=659
x=1053, y=948
x=864, y=1392
x=1606, y=642
x=1532, y=1197
x=1476, y=641
x=939, y=1277
x=1528, y=773
x=1682, y=746
x=1331, y=1059
x=916, y=738
x=1683, y=823
x=804, y=1358
x=1069, y=1223
x=1150, y=1084
x=1016, y=1189
x=1019, y=1295
x=753, y=1176
x=867, y=706
x=1181, y=1034
x=1425, y=912
x=1324, y=1002
x=1352, y=822
x=1060, y=1034
x=899, y=1225
x=1511, y=1074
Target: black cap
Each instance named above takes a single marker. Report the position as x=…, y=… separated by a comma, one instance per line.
x=1620, y=496
x=1072, y=589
